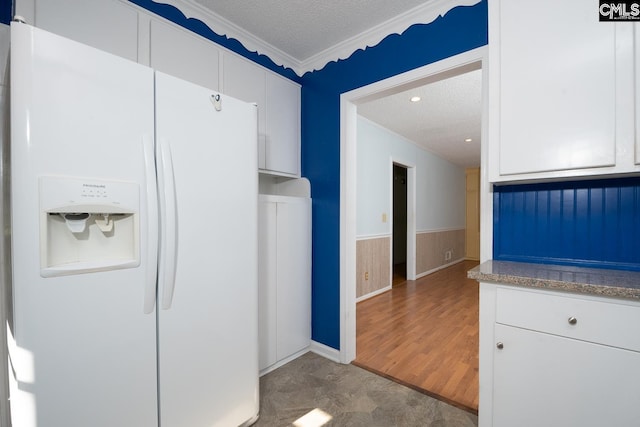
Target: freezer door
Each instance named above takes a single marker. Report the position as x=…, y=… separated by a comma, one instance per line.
x=207, y=319
x=82, y=348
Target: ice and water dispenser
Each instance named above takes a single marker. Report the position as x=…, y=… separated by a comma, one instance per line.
x=88, y=225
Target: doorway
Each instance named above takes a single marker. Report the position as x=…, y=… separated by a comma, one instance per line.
x=459, y=64
x=399, y=233
x=438, y=214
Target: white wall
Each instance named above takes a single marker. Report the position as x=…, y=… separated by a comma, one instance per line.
x=440, y=185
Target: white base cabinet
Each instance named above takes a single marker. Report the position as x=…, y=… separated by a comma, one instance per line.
x=546, y=380
x=555, y=359
x=284, y=284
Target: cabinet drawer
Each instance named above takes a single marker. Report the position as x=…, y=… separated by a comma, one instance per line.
x=603, y=322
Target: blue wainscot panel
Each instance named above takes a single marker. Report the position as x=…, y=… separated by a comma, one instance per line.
x=583, y=223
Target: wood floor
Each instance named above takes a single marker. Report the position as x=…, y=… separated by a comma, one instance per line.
x=424, y=334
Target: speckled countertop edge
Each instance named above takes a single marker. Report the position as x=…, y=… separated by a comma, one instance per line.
x=590, y=281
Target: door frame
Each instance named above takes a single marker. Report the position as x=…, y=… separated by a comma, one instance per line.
x=459, y=64
x=411, y=216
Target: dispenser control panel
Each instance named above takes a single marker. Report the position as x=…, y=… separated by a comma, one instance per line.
x=62, y=194
x=94, y=191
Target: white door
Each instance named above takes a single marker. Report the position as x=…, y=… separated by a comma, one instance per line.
x=282, y=121
x=246, y=81
x=555, y=111
x=208, y=342
x=294, y=276
x=268, y=281
x=84, y=349
x=547, y=380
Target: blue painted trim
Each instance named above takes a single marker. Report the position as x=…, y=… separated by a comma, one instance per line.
x=174, y=15
x=594, y=223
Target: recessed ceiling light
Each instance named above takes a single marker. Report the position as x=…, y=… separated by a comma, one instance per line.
x=468, y=140
x=415, y=99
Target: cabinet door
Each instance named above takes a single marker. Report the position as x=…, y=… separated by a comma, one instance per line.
x=294, y=277
x=556, y=71
x=246, y=81
x=108, y=25
x=547, y=380
x=283, y=126
x=267, y=278
x=181, y=54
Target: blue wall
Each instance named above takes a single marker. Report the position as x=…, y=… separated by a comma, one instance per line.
x=460, y=30
x=6, y=9
x=584, y=223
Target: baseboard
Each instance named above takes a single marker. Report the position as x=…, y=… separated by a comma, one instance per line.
x=315, y=347
x=284, y=361
x=373, y=294
x=426, y=273
x=325, y=351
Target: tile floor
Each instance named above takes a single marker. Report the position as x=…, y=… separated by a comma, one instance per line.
x=351, y=396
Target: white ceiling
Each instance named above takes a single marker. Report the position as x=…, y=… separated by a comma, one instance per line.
x=303, y=28
x=449, y=112
x=304, y=35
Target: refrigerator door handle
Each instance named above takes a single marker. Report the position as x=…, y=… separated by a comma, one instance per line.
x=169, y=218
x=152, y=224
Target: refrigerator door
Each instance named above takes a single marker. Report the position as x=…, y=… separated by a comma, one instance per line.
x=83, y=351
x=207, y=316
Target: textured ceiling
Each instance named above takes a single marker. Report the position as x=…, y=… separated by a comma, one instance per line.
x=303, y=28
x=449, y=112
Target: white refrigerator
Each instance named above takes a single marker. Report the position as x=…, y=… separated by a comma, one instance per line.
x=134, y=244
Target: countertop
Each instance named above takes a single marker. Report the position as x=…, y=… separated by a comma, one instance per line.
x=590, y=281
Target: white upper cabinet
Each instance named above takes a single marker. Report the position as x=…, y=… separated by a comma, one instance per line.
x=126, y=30
x=246, y=81
x=560, y=97
x=184, y=55
x=278, y=102
x=108, y=25
x=282, y=151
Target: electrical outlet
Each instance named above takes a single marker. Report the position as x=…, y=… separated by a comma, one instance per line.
x=447, y=255
x=366, y=275
x=384, y=217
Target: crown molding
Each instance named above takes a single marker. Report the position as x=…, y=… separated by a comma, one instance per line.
x=224, y=27
x=423, y=14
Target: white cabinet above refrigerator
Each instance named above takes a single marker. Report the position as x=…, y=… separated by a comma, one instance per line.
x=278, y=101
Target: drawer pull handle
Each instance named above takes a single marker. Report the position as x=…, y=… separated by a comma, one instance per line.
x=500, y=346
x=572, y=320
